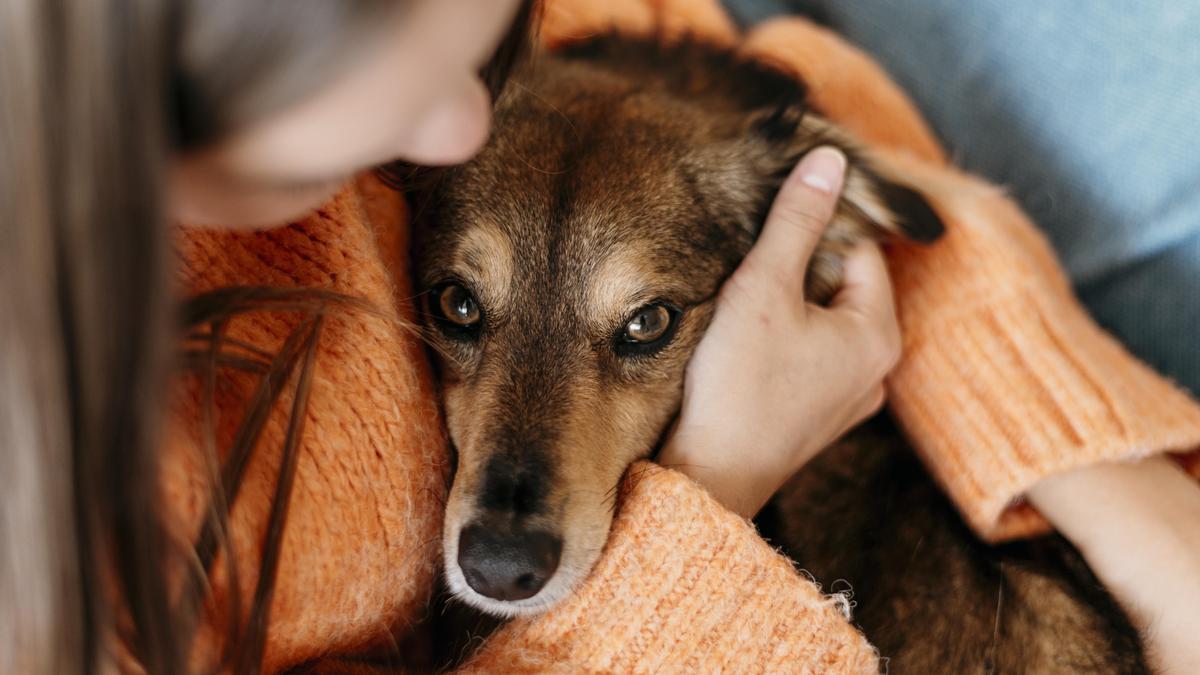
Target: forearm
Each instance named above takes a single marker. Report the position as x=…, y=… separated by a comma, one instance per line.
x=1138, y=526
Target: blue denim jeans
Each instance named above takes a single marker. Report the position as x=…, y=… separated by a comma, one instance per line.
x=1088, y=111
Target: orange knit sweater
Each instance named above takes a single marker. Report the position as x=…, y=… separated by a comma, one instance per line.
x=1004, y=380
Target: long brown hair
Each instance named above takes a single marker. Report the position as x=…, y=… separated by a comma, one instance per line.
x=96, y=96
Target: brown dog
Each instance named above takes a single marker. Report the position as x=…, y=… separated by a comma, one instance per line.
x=571, y=270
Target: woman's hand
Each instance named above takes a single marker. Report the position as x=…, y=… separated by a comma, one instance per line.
x=1138, y=526
x=775, y=379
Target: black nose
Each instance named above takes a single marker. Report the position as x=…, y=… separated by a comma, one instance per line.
x=507, y=566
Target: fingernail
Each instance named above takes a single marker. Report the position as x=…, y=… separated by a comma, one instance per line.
x=822, y=169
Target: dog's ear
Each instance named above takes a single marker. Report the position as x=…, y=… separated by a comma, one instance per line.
x=874, y=200
x=875, y=203
x=886, y=204
x=769, y=102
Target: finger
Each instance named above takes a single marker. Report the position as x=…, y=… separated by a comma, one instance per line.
x=798, y=218
x=866, y=285
x=867, y=304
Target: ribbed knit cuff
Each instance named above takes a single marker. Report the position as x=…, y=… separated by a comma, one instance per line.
x=683, y=586
x=1005, y=379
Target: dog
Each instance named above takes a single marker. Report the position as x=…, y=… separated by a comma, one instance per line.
x=570, y=271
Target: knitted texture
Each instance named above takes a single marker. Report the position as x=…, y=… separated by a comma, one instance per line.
x=683, y=586
x=360, y=551
x=1004, y=380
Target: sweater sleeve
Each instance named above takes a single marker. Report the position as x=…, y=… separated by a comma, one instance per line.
x=683, y=584
x=1004, y=379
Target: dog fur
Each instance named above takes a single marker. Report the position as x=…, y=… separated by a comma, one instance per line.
x=623, y=183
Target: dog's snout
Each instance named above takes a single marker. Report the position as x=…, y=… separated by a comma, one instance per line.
x=513, y=486
x=507, y=566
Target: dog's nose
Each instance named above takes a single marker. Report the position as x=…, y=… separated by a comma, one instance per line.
x=507, y=566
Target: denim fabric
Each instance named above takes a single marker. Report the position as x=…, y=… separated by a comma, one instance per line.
x=1088, y=111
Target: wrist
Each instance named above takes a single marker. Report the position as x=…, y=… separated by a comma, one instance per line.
x=740, y=481
x=1142, y=501
x=1138, y=527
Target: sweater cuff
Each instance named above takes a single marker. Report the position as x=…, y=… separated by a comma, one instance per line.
x=1005, y=378
x=682, y=585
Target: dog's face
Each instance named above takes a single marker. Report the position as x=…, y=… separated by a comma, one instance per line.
x=570, y=271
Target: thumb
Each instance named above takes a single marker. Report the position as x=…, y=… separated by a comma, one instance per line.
x=798, y=218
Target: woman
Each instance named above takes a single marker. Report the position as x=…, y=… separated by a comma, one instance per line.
x=249, y=115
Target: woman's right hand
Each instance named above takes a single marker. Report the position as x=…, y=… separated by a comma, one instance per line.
x=775, y=379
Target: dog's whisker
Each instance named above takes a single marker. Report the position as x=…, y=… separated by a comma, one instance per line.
x=432, y=340
x=565, y=117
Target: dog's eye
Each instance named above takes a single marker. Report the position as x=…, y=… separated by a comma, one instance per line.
x=648, y=325
x=455, y=308
x=648, y=330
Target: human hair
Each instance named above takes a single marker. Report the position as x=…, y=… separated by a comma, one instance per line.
x=96, y=98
